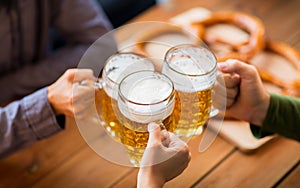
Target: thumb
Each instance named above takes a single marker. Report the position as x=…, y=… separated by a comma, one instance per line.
x=154, y=135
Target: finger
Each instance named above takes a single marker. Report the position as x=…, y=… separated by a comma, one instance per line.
x=219, y=101
x=219, y=89
x=229, y=102
x=235, y=66
x=231, y=80
x=83, y=88
x=176, y=143
x=181, y=149
x=227, y=86
x=186, y=162
x=83, y=74
x=232, y=92
x=222, y=99
x=154, y=135
x=186, y=157
x=89, y=83
x=165, y=138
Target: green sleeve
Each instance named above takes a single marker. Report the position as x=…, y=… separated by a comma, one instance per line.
x=283, y=118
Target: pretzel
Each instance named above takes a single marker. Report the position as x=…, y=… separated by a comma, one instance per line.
x=161, y=29
x=292, y=56
x=251, y=24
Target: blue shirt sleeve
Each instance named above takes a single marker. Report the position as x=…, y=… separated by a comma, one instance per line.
x=26, y=121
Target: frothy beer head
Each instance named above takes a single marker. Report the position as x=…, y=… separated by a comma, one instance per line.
x=146, y=96
x=191, y=68
x=120, y=65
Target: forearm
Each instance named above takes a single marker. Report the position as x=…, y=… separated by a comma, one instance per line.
x=283, y=118
x=26, y=121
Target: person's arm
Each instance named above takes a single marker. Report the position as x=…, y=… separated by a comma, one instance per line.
x=80, y=23
x=25, y=121
x=267, y=113
x=42, y=114
x=165, y=157
x=283, y=118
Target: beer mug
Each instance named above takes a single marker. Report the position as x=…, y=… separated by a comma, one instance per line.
x=144, y=97
x=116, y=68
x=193, y=70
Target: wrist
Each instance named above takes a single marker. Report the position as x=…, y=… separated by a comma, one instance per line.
x=50, y=99
x=148, y=179
x=260, y=111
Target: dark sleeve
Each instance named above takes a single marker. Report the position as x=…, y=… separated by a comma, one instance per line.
x=26, y=121
x=80, y=23
x=283, y=118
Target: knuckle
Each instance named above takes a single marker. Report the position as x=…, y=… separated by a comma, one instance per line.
x=185, y=150
x=69, y=71
x=253, y=69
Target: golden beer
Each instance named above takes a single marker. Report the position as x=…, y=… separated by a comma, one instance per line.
x=193, y=72
x=135, y=139
x=144, y=97
x=105, y=106
x=116, y=67
x=191, y=112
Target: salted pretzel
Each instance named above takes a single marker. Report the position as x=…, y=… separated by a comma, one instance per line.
x=291, y=55
x=248, y=23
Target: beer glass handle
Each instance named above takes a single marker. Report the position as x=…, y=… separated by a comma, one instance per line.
x=99, y=84
x=161, y=125
x=213, y=112
x=165, y=134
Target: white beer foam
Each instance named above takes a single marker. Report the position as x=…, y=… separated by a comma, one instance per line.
x=149, y=91
x=195, y=71
x=121, y=65
x=189, y=66
x=146, y=95
x=190, y=83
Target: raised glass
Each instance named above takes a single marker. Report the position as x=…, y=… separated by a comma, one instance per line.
x=116, y=68
x=144, y=97
x=193, y=70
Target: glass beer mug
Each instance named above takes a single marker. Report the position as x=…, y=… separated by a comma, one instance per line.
x=144, y=97
x=116, y=67
x=193, y=70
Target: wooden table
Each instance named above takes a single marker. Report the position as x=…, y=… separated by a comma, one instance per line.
x=65, y=160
